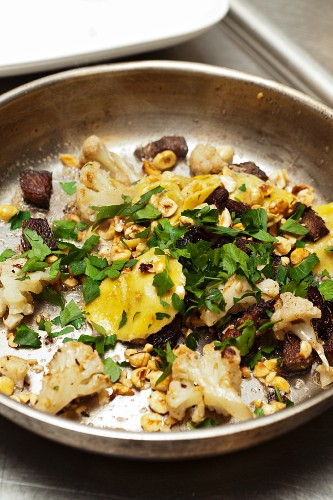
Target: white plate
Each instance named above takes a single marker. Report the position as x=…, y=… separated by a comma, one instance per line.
x=38, y=35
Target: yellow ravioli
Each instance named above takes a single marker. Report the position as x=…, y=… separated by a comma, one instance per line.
x=134, y=297
x=326, y=258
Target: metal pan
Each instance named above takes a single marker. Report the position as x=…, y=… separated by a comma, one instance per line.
x=130, y=104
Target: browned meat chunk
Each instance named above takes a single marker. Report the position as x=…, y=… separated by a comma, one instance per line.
x=323, y=325
x=36, y=187
x=314, y=223
x=174, y=143
x=42, y=228
x=194, y=235
x=248, y=167
x=169, y=333
x=236, y=207
x=218, y=197
x=242, y=244
x=292, y=361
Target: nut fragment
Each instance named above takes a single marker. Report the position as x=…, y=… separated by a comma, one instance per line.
x=165, y=160
x=132, y=230
x=162, y=386
x=157, y=402
x=137, y=359
x=273, y=407
x=304, y=194
x=284, y=245
x=138, y=378
x=305, y=349
x=7, y=212
x=298, y=255
x=151, y=422
x=260, y=370
x=122, y=390
x=167, y=206
x=281, y=383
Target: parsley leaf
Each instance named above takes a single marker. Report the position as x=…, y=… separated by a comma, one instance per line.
x=258, y=355
x=26, y=337
x=167, y=359
x=135, y=212
x=39, y=249
x=303, y=269
x=259, y=412
x=161, y=315
x=178, y=303
x=6, y=254
x=245, y=341
x=67, y=229
x=70, y=313
x=111, y=369
x=90, y=290
x=123, y=320
x=191, y=341
x=18, y=218
x=162, y=282
x=291, y=226
x=68, y=187
x=326, y=289
x=50, y=295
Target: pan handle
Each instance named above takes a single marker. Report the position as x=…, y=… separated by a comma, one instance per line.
x=275, y=51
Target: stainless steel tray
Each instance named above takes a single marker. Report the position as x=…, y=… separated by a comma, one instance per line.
x=130, y=104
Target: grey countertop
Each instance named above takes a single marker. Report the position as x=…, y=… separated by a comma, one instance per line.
x=298, y=465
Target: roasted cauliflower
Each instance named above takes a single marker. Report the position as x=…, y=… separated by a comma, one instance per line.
x=98, y=188
x=16, y=300
x=234, y=288
x=94, y=149
x=14, y=368
x=205, y=159
x=75, y=370
x=213, y=379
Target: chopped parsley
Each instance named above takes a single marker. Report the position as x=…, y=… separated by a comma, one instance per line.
x=6, y=254
x=245, y=340
x=112, y=369
x=123, y=320
x=162, y=282
x=26, y=337
x=70, y=314
x=69, y=187
x=18, y=218
x=167, y=359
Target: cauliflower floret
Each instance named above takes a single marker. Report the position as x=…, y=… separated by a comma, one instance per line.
x=205, y=159
x=215, y=376
x=75, y=370
x=94, y=149
x=294, y=314
x=233, y=288
x=97, y=188
x=269, y=289
x=15, y=368
x=15, y=296
x=183, y=395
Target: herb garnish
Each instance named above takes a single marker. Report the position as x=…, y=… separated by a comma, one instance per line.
x=26, y=337
x=69, y=187
x=18, y=218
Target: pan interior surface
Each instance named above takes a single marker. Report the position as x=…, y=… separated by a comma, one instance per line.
x=129, y=105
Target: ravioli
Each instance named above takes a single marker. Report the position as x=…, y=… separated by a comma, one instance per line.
x=325, y=257
x=129, y=306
